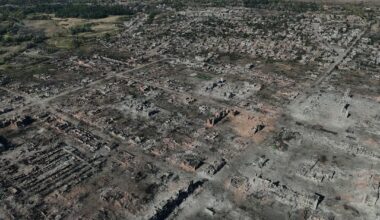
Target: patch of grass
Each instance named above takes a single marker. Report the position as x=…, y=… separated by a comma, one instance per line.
x=357, y=10
x=80, y=28
x=203, y=76
x=69, y=33
x=124, y=18
x=25, y=72
x=60, y=42
x=39, y=17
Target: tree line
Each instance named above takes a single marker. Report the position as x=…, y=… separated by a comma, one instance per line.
x=74, y=10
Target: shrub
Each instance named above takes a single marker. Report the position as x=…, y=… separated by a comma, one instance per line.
x=80, y=28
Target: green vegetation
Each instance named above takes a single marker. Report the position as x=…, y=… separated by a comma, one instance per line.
x=85, y=11
x=174, y=3
x=124, y=18
x=107, y=37
x=180, y=4
x=217, y=3
x=151, y=16
x=354, y=10
x=39, y=17
x=14, y=33
x=26, y=23
x=88, y=11
x=203, y=76
x=80, y=29
x=255, y=3
x=375, y=38
x=267, y=4
x=283, y=5
x=76, y=42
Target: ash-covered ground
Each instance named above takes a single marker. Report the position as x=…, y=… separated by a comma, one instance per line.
x=166, y=109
